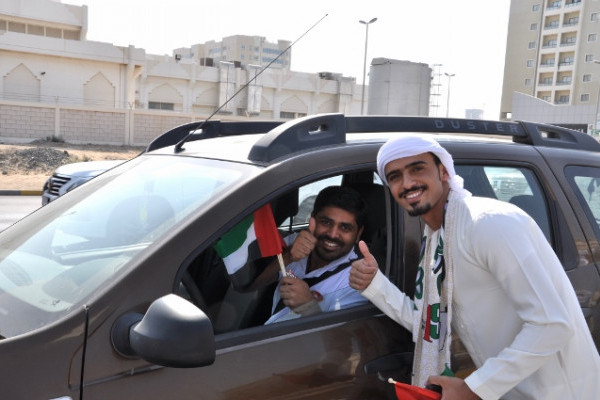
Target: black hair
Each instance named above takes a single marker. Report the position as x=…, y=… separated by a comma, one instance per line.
x=345, y=198
x=436, y=159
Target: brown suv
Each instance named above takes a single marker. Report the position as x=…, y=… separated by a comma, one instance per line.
x=114, y=290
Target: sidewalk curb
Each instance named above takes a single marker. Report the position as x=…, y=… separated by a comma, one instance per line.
x=20, y=192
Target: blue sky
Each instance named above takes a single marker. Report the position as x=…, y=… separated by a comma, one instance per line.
x=468, y=37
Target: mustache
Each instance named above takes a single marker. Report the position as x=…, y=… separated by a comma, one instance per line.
x=412, y=189
x=330, y=239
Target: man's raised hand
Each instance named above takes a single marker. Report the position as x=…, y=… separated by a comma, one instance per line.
x=363, y=271
x=305, y=242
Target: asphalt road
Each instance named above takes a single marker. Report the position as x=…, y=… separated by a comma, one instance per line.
x=13, y=208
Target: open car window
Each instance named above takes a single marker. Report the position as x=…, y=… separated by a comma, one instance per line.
x=516, y=185
x=221, y=290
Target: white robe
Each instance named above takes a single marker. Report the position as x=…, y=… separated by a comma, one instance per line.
x=513, y=307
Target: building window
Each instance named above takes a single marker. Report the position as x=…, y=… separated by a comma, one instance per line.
x=531, y=45
x=585, y=97
x=53, y=32
x=592, y=37
x=291, y=115
x=587, y=77
x=589, y=57
x=528, y=82
x=595, y=17
x=157, y=105
x=533, y=27
x=536, y=7
x=71, y=35
x=16, y=27
x=35, y=30
x=530, y=63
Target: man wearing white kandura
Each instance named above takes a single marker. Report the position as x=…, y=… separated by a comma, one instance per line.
x=486, y=276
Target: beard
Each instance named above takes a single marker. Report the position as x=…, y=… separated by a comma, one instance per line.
x=419, y=210
x=329, y=256
x=416, y=209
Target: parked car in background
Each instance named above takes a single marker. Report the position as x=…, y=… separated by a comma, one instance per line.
x=114, y=290
x=69, y=176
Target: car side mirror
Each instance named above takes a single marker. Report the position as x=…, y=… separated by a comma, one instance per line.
x=172, y=333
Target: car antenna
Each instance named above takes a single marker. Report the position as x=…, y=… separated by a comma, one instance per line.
x=179, y=145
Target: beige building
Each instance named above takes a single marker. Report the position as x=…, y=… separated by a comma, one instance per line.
x=54, y=83
x=551, y=72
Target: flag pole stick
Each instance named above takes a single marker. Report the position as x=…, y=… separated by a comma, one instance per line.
x=281, y=264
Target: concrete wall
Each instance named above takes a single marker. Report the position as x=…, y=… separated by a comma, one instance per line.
x=25, y=122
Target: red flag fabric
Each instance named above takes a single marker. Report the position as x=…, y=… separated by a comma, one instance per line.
x=269, y=240
x=409, y=392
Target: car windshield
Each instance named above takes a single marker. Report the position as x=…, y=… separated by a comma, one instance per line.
x=47, y=271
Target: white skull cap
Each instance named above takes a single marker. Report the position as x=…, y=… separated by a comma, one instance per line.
x=412, y=145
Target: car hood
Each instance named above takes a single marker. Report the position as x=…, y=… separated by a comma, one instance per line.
x=88, y=168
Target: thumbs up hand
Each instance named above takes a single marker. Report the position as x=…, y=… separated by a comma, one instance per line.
x=363, y=271
x=305, y=242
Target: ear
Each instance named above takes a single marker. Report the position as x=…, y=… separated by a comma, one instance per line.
x=444, y=175
x=358, y=235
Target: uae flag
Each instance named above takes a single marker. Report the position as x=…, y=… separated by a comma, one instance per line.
x=254, y=237
x=410, y=392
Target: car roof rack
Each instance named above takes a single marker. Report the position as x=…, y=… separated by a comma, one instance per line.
x=329, y=129
x=210, y=129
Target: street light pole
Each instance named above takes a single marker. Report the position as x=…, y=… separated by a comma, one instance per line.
x=362, y=100
x=448, y=97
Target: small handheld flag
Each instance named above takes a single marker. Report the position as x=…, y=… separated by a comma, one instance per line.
x=256, y=236
x=410, y=392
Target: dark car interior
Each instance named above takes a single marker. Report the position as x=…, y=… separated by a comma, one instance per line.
x=223, y=298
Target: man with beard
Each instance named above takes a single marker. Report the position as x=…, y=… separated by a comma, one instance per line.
x=487, y=276
x=318, y=259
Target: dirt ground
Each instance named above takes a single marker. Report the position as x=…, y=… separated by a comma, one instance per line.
x=27, y=166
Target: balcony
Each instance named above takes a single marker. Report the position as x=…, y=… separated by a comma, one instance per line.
x=568, y=42
x=571, y=22
x=555, y=5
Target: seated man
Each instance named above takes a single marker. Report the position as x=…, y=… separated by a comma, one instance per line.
x=318, y=259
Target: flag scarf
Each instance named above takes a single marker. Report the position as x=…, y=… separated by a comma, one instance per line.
x=256, y=236
x=409, y=392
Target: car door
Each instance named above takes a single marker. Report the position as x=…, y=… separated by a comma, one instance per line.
x=321, y=356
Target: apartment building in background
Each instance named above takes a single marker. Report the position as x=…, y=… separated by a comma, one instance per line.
x=552, y=65
x=255, y=50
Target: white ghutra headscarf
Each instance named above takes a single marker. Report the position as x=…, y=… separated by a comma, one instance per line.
x=411, y=145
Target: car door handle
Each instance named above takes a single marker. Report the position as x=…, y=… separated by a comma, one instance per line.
x=387, y=363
